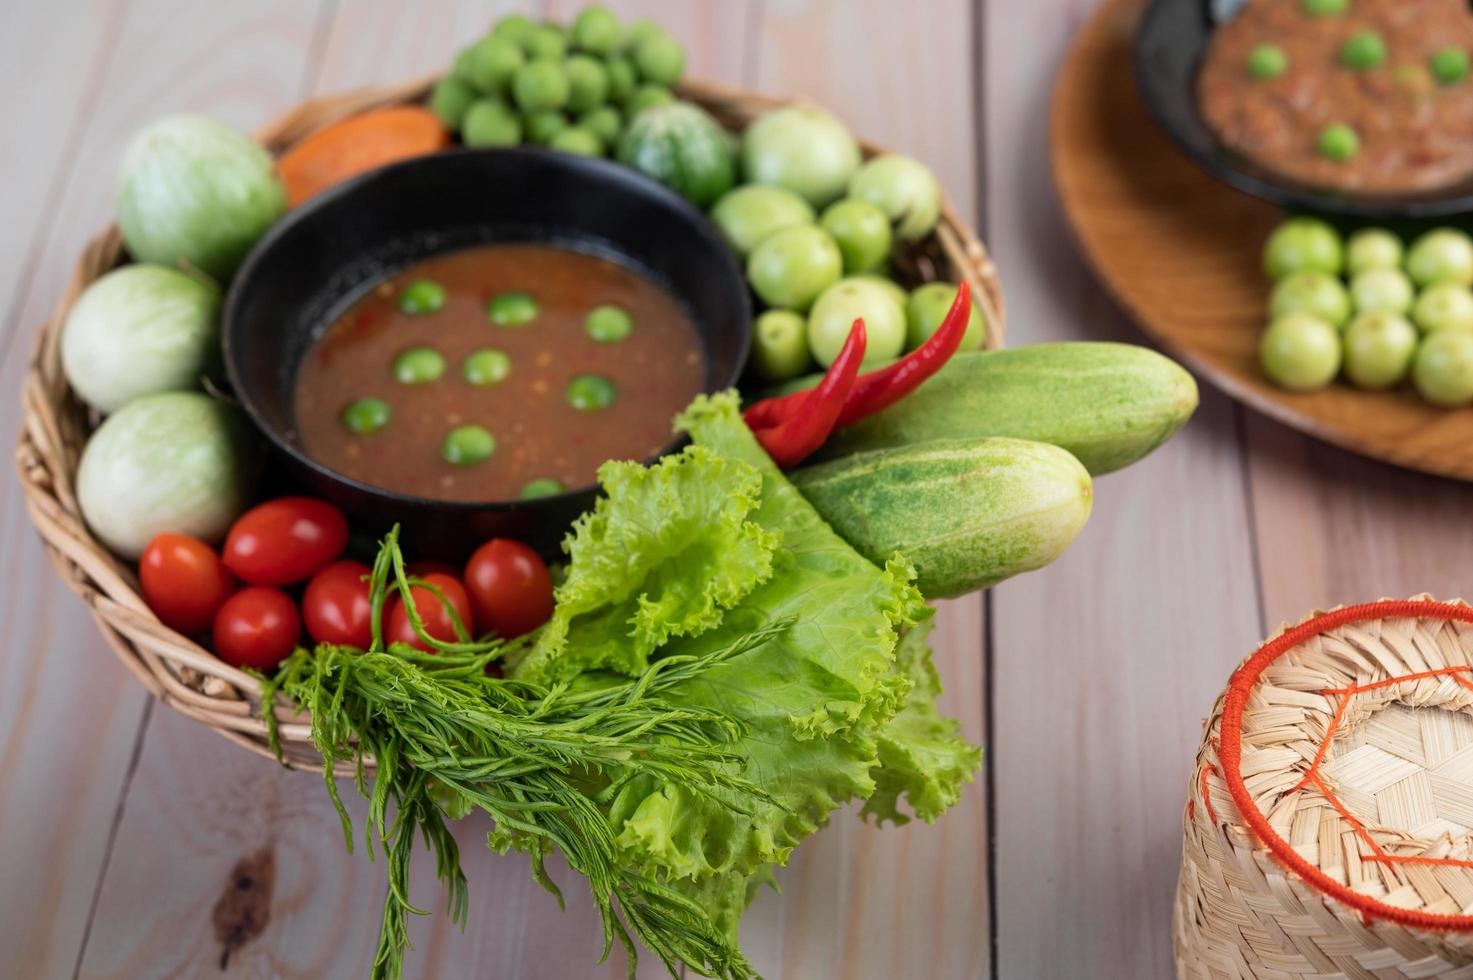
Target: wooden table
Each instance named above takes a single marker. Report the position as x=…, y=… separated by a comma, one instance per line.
x=122, y=826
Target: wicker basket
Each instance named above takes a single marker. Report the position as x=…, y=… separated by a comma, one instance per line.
x=176, y=670
x=1329, y=831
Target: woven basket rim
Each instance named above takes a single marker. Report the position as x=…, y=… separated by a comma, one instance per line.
x=1230, y=748
x=171, y=667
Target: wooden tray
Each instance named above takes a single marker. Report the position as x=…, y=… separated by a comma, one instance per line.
x=1181, y=251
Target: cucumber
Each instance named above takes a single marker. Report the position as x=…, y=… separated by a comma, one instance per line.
x=967, y=512
x=1108, y=404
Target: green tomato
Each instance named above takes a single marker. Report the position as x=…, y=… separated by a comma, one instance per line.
x=790, y=267
x=1363, y=51
x=608, y=324
x=1300, y=352
x=588, y=82
x=1443, y=370
x=543, y=126
x=547, y=42
x=512, y=309
x=927, y=306
x=1382, y=291
x=541, y=85
x=486, y=367
x=422, y=296
x=746, y=215
x=604, y=122
x=804, y=149
x=543, y=486
x=418, y=365
x=885, y=282
x=591, y=392
x=780, y=346
x=449, y=100
x=647, y=97
x=1372, y=248
x=1444, y=306
x=659, y=59
x=365, y=416
x=490, y=122
x=577, y=140
x=492, y=64
x=596, y=30
x=640, y=31
x=467, y=445
x=1441, y=255
x=1326, y=8
x=515, y=28
x=1303, y=245
x=1449, y=66
x=1310, y=292
x=1267, y=61
x=905, y=189
x=1339, y=142
x=834, y=313
x=622, y=80
x=862, y=232
x=1378, y=349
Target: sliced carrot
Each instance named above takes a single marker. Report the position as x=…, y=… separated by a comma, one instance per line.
x=360, y=143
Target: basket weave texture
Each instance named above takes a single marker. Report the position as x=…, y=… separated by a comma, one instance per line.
x=172, y=667
x=1329, y=831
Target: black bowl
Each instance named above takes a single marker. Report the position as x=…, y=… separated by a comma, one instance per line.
x=1169, y=44
x=327, y=252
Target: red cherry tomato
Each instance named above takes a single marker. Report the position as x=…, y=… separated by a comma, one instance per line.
x=257, y=627
x=184, y=581
x=510, y=589
x=285, y=540
x=336, y=608
x=431, y=610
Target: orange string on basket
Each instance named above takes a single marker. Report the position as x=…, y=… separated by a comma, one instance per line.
x=1231, y=754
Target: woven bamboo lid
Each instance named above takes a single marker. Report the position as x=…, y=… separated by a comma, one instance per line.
x=1330, y=827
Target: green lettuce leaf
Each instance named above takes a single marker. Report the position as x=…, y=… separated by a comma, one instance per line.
x=662, y=554
x=830, y=714
x=922, y=755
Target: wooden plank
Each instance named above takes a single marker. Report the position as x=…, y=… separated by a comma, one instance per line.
x=71, y=715
x=1335, y=529
x=859, y=901
x=1104, y=663
x=36, y=150
x=65, y=733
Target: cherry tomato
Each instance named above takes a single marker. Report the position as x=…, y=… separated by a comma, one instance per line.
x=184, y=581
x=285, y=540
x=257, y=627
x=510, y=589
x=431, y=610
x=336, y=608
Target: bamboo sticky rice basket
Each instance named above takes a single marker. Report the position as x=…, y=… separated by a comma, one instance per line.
x=1329, y=831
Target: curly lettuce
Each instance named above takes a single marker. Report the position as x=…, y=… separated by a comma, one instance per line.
x=706, y=546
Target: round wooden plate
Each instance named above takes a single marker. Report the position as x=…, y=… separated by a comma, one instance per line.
x=1180, y=251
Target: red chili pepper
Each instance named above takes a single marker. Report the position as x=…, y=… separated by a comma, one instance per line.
x=880, y=389
x=794, y=438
